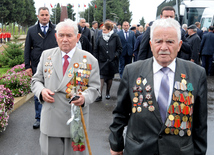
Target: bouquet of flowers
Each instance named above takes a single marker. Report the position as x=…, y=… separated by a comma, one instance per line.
x=6, y=105
x=76, y=129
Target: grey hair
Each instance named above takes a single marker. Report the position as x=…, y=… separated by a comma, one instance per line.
x=166, y=23
x=184, y=26
x=195, y=30
x=67, y=23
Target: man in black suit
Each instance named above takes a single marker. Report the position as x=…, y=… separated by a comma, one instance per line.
x=162, y=101
x=199, y=31
x=85, y=31
x=195, y=43
x=39, y=38
x=207, y=50
x=145, y=50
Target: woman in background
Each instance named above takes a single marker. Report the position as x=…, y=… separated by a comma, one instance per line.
x=107, y=52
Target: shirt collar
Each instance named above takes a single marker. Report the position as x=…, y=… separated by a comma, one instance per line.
x=157, y=66
x=44, y=25
x=70, y=54
x=125, y=31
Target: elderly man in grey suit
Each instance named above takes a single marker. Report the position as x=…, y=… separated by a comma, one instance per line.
x=162, y=100
x=52, y=84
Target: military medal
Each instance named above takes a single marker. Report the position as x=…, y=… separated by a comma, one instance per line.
x=135, y=99
x=141, y=98
x=139, y=109
x=176, y=131
x=135, y=89
x=172, y=131
x=181, y=133
x=140, y=89
x=182, y=105
x=177, y=85
x=189, y=132
x=150, y=102
x=144, y=81
x=148, y=96
x=138, y=81
x=145, y=104
x=183, y=86
x=171, y=117
x=134, y=108
x=178, y=109
x=190, y=87
x=76, y=65
x=148, y=88
x=183, y=80
x=151, y=108
x=181, y=99
x=184, y=118
x=167, y=130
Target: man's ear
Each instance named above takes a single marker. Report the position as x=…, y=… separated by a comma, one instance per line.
x=55, y=36
x=78, y=36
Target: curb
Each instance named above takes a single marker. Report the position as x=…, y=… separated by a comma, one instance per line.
x=19, y=101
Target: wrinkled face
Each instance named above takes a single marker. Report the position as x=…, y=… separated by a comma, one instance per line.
x=165, y=45
x=43, y=17
x=125, y=26
x=67, y=39
x=105, y=30
x=168, y=14
x=82, y=22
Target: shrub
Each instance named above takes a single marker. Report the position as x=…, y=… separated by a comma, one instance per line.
x=17, y=80
x=13, y=54
x=6, y=105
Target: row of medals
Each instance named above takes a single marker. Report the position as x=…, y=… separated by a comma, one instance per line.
x=48, y=68
x=183, y=103
x=82, y=71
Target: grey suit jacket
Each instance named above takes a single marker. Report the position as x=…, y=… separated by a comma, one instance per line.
x=49, y=75
x=146, y=132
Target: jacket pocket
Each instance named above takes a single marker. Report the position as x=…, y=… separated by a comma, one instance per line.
x=187, y=150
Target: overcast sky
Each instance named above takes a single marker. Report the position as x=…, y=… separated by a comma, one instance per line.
x=139, y=8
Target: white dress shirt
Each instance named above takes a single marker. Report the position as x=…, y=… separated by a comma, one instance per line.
x=124, y=32
x=70, y=54
x=158, y=74
x=42, y=28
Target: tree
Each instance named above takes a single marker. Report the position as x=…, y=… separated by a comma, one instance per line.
x=71, y=13
x=55, y=17
x=116, y=10
x=142, y=21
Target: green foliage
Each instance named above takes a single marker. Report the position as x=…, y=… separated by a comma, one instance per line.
x=71, y=13
x=142, y=21
x=118, y=7
x=55, y=17
x=13, y=54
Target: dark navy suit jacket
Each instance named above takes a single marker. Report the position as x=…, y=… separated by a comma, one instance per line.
x=207, y=46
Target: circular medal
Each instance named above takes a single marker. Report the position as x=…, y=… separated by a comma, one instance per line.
x=150, y=102
x=190, y=119
x=138, y=81
x=185, y=118
x=177, y=93
x=175, y=104
x=45, y=70
x=84, y=60
x=182, y=106
x=76, y=65
x=167, y=130
x=177, y=117
x=69, y=75
x=181, y=133
x=134, y=110
x=135, y=99
x=136, y=94
x=189, y=132
x=139, y=109
x=186, y=94
x=171, y=117
x=151, y=108
x=176, y=131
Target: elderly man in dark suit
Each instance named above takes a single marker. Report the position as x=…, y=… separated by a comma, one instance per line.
x=207, y=50
x=40, y=37
x=85, y=31
x=162, y=101
x=127, y=38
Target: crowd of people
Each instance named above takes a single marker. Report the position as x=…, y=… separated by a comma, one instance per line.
x=162, y=100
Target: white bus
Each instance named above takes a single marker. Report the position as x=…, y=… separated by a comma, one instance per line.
x=207, y=18
x=187, y=11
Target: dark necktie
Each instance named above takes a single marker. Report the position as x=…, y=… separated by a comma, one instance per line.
x=66, y=63
x=44, y=31
x=126, y=36
x=163, y=94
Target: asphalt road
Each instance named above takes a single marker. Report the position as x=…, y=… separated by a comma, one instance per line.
x=21, y=139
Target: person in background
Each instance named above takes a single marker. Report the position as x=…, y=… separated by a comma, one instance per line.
x=87, y=25
x=127, y=39
x=184, y=29
x=199, y=31
x=94, y=33
x=161, y=100
x=53, y=86
x=40, y=37
x=118, y=27
x=141, y=29
x=204, y=29
x=195, y=43
x=207, y=50
x=145, y=50
x=107, y=52
x=85, y=31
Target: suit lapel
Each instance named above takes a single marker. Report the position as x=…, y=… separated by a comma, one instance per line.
x=57, y=63
x=148, y=75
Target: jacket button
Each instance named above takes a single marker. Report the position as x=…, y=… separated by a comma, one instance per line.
x=106, y=51
x=160, y=136
x=106, y=44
